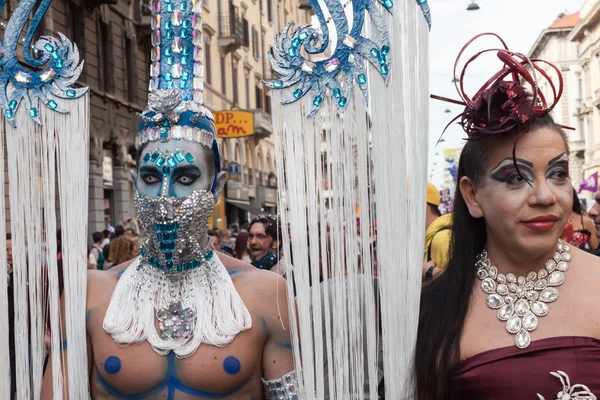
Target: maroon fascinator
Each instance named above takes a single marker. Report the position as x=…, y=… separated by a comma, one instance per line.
x=504, y=102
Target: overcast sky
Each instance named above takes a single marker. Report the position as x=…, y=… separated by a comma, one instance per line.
x=518, y=22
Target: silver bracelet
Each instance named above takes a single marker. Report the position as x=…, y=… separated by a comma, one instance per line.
x=284, y=388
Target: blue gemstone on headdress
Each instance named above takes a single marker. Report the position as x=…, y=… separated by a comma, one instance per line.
x=160, y=162
x=184, y=60
x=155, y=157
x=197, y=263
x=185, y=34
x=71, y=93
x=362, y=79
x=168, y=25
x=13, y=104
x=169, y=85
x=388, y=4
x=384, y=69
x=382, y=59
x=189, y=157
x=49, y=48
x=55, y=55
x=168, y=77
x=166, y=123
x=33, y=112
x=179, y=267
x=183, y=6
x=169, y=265
x=52, y=104
x=342, y=102
x=164, y=133
x=170, y=35
x=146, y=158
x=277, y=84
x=337, y=93
x=9, y=114
x=303, y=36
x=293, y=52
x=182, y=84
x=169, y=60
x=186, y=24
x=296, y=42
x=298, y=93
x=170, y=8
x=374, y=52
x=385, y=50
x=172, y=163
x=185, y=51
x=168, y=52
x=166, y=171
x=317, y=101
x=179, y=157
x=189, y=265
x=168, y=256
x=185, y=76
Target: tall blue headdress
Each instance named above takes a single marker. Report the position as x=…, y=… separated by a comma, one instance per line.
x=175, y=101
x=47, y=143
x=352, y=184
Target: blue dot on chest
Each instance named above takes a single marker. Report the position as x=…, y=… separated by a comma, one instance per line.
x=112, y=365
x=232, y=365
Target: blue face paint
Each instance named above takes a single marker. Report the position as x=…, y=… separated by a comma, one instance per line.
x=232, y=365
x=112, y=365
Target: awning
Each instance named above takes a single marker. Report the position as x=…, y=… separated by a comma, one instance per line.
x=242, y=205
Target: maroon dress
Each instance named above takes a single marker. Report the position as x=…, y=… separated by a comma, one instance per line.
x=510, y=373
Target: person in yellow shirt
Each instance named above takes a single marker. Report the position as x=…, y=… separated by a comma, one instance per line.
x=437, y=235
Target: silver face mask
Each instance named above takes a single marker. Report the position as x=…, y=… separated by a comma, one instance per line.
x=174, y=229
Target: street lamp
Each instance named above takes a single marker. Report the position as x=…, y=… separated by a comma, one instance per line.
x=473, y=6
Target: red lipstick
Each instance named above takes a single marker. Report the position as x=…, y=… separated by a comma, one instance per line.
x=542, y=223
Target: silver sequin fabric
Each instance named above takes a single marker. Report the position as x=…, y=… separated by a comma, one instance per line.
x=284, y=388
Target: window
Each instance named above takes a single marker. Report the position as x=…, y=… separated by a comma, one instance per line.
x=267, y=104
x=207, y=63
x=259, y=96
x=247, y=84
x=255, y=49
x=223, y=77
x=234, y=73
x=269, y=11
x=106, y=79
x=131, y=69
x=76, y=29
x=246, y=30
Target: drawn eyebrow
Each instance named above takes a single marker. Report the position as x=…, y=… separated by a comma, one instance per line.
x=518, y=160
x=557, y=158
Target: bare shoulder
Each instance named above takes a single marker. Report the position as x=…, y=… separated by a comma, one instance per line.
x=100, y=286
x=585, y=263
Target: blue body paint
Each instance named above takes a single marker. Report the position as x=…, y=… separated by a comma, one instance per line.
x=120, y=273
x=233, y=272
x=171, y=383
x=232, y=365
x=112, y=365
x=87, y=315
x=63, y=345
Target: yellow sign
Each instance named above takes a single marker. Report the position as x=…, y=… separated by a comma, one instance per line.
x=234, y=124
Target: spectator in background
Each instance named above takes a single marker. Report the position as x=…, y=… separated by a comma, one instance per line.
x=216, y=240
x=437, y=235
x=122, y=249
x=119, y=231
x=580, y=231
x=129, y=232
x=264, y=245
x=107, y=263
x=241, y=247
x=107, y=234
x=594, y=214
x=96, y=256
x=226, y=242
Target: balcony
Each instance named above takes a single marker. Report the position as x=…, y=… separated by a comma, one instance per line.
x=231, y=32
x=263, y=125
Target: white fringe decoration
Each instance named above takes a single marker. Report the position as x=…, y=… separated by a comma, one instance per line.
x=143, y=290
x=35, y=153
x=329, y=169
x=4, y=340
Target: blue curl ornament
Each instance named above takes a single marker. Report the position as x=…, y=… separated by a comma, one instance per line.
x=50, y=70
x=336, y=74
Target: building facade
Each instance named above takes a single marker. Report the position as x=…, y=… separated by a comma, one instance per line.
x=554, y=45
x=113, y=37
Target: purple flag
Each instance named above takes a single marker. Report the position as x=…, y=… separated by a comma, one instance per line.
x=590, y=184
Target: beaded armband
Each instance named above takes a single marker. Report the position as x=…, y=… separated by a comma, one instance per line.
x=282, y=388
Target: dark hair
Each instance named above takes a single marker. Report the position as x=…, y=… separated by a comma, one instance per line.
x=445, y=301
x=272, y=226
x=119, y=231
x=215, y=233
x=106, y=233
x=576, y=203
x=8, y=236
x=97, y=237
x=241, y=244
x=434, y=209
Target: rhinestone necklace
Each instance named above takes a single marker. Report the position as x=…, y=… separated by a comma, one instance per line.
x=520, y=301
